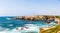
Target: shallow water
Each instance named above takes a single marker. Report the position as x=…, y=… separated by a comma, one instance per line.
x=7, y=25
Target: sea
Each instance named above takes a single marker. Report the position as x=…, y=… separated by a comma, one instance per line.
x=9, y=25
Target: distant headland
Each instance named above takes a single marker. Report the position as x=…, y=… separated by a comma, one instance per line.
x=39, y=17
x=35, y=18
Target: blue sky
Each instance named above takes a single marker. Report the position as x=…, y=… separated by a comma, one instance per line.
x=29, y=7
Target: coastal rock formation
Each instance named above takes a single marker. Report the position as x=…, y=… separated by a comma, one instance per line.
x=57, y=20
x=39, y=17
x=48, y=22
x=35, y=18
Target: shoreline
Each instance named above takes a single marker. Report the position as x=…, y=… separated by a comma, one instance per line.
x=34, y=18
x=38, y=17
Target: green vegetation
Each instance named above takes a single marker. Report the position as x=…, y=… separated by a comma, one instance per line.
x=52, y=30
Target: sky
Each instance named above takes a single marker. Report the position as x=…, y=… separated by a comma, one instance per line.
x=29, y=7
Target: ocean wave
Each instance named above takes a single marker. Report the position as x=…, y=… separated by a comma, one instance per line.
x=28, y=28
x=8, y=18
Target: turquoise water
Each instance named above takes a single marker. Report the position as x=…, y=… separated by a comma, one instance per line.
x=32, y=26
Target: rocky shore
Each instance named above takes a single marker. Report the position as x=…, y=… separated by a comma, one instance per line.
x=52, y=29
x=47, y=18
x=34, y=18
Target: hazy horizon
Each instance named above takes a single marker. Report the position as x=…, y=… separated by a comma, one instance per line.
x=29, y=7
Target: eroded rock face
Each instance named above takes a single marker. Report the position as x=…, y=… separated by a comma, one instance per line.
x=35, y=18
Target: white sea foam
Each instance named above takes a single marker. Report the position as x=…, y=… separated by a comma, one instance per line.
x=3, y=30
x=11, y=25
x=25, y=29
x=8, y=18
x=28, y=28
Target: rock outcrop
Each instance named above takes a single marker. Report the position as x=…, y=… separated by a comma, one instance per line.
x=57, y=20
x=35, y=18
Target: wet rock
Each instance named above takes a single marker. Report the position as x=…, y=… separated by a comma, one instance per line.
x=48, y=22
